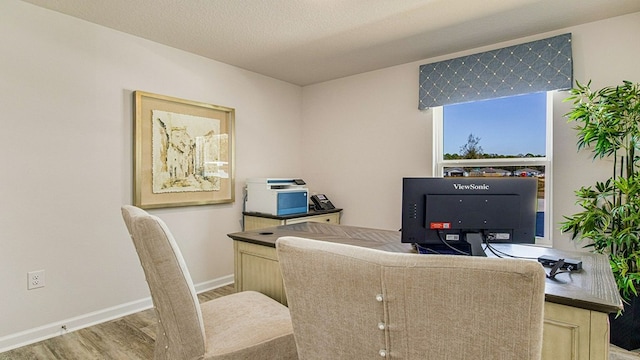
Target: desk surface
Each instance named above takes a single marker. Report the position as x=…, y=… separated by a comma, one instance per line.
x=592, y=288
x=292, y=216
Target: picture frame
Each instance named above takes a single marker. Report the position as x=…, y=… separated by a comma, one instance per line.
x=184, y=152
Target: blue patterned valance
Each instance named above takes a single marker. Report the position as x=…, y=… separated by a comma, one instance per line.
x=541, y=65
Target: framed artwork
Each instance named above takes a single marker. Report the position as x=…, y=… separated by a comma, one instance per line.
x=183, y=152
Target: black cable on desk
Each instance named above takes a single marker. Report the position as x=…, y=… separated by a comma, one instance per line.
x=500, y=254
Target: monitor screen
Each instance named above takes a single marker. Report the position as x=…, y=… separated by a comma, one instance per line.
x=456, y=215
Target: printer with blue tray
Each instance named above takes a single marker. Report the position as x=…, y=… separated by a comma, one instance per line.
x=277, y=196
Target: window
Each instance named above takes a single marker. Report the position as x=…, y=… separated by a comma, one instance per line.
x=510, y=136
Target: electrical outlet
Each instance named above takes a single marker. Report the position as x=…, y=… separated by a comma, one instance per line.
x=35, y=279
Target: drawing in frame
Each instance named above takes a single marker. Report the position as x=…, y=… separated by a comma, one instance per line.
x=183, y=152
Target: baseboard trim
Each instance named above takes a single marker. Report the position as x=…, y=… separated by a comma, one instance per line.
x=57, y=328
x=214, y=284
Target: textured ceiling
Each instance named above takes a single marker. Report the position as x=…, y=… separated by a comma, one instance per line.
x=309, y=41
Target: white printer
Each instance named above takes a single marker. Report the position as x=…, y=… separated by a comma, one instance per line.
x=277, y=196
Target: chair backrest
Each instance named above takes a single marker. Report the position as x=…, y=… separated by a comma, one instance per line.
x=348, y=302
x=180, y=328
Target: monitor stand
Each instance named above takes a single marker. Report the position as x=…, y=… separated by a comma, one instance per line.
x=470, y=245
x=475, y=241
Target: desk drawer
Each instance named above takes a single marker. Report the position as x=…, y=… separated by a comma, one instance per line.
x=326, y=218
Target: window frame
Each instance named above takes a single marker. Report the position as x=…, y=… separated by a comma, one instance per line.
x=439, y=164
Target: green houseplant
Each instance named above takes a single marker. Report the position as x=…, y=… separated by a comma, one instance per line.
x=608, y=124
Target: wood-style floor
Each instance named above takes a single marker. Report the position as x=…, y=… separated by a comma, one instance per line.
x=132, y=338
x=128, y=338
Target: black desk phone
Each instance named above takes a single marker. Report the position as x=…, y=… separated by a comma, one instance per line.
x=322, y=202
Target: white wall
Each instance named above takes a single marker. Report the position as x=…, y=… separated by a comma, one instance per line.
x=66, y=109
x=371, y=133
x=366, y=133
x=66, y=112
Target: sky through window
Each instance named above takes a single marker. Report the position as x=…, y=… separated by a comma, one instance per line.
x=509, y=126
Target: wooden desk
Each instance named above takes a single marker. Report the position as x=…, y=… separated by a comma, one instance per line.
x=576, y=305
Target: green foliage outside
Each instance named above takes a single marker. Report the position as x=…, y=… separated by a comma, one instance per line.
x=473, y=150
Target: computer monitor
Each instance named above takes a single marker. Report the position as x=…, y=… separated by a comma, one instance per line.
x=456, y=215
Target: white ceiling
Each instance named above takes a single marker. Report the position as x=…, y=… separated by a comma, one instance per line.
x=309, y=41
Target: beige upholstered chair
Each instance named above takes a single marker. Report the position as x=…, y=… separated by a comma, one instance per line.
x=349, y=302
x=245, y=325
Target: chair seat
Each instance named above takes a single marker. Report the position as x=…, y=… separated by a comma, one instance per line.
x=247, y=325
